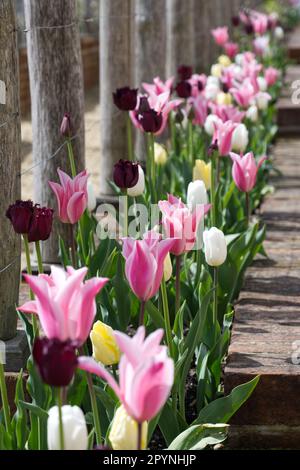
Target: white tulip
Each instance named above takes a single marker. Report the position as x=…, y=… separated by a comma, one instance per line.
x=262, y=100
x=239, y=59
x=74, y=426
x=262, y=83
x=252, y=113
x=240, y=138
x=92, y=200
x=215, y=247
x=168, y=268
x=279, y=33
x=196, y=194
x=209, y=124
x=139, y=188
x=211, y=91
x=213, y=81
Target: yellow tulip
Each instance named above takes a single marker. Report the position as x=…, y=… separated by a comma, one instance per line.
x=124, y=431
x=168, y=268
x=224, y=60
x=216, y=70
x=105, y=348
x=224, y=99
x=160, y=154
x=202, y=171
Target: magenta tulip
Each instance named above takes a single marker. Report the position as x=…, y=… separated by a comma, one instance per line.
x=71, y=196
x=271, y=75
x=223, y=136
x=66, y=306
x=145, y=263
x=146, y=374
x=220, y=35
x=244, y=170
x=180, y=223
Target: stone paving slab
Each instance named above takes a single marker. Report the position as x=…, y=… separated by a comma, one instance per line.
x=267, y=319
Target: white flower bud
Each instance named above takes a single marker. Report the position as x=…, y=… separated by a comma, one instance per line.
x=262, y=100
x=168, y=268
x=139, y=188
x=262, y=83
x=209, y=124
x=74, y=426
x=92, y=201
x=215, y=247
x=279, y=33
x=196, y=194
x=240, y=138
x=124, y=431
x=252, y=113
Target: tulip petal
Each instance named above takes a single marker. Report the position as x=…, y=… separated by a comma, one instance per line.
x=90, y=365
x=29, y=307
x=76, y=206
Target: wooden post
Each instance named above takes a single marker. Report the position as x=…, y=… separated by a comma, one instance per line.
x=114, y=73
x=180, y=34
x=56, y=86
x=10, y=165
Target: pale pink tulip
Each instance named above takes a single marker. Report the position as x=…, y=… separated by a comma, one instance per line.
x=200, y=108
x=180, y=223
x=244, y=170
x=223, y=136
x=158, y=86
x=243, y=94
x=220, y=35
x=227, y=113
x=261, y=45
x=71, y=196
x=146, y=374
x=259, y=22
x=271, y=75
x=65, y=305
x=145, y=263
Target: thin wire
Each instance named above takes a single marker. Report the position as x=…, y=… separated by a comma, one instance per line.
x=9, y=265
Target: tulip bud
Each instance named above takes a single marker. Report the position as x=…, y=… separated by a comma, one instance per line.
x=183, y=89
x=124, y=431
x=215, y=247
x=202, y=171
x=279, y=33
x=151, y=121
x=105, y=348
x=235, y=21
x=56, y=360
x=211, y=91
x=92, y=200
x=65, y=127
x=126, y=174
x=168, y=268
x=216, y=70
x=196, y=194
x=224, y=99
x=262, y=100
x=213, y=81
x=262, y=83
x=224, y=60
x=41, y=224
x=125, y=98
x=240, y=138
x=139, y=188
x=185, y=72
x=160, y=154
x=74, y=427
x=20, y=215
x=252, y=113
x=209, y=124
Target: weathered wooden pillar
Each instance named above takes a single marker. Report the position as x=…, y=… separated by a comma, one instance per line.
x=56, y=86
x=10, y=165
x=180, y=33
x=115, y=72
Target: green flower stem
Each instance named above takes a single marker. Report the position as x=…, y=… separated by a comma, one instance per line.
x=190, y=141
x=142, y=312
x=177, y=284
x=125, y=214
x=172, y=132
x=167, y=317
x=39, y=257
x=71, y=157
x=129, y=138
x=139, y=435
x=248, y=208
x=60, y=419
x=83, y=351
x=213, y=191
x=215, y=299
x=29, y=270
x=80, y=232
x=150, y=167
x=5, y=405
x=73, y=246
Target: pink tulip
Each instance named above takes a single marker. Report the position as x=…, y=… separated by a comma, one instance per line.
x=146, y=374
x=71, y=196
x=223, y=136
x=244, y=170
x=220, y=35
x=65, y=305
x=145, y=263
x=271, y=75
x=180, y=223
x=259, y=22
x=231, y=49
x=200, y=108
x=227, y=113
x=261, y=45
x=158, y=86
x=198, y=84
x=243, y=94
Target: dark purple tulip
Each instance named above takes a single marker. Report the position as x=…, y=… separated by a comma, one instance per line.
x=151, y=121
x=56, y=360
x=184, y=72
x=249, y=28
x=183, y=89
x=225, y=87
x=200, y=85
x=65, y=127
x=143, y=105
x=41, y=224
x=125, y=98
x=235, y=20
x=20, y=215
x=213, y=148
x=126, y=174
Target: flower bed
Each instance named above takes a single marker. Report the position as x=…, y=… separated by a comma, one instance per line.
x=128, y=340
